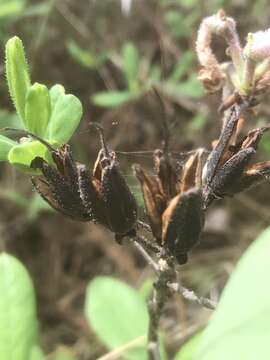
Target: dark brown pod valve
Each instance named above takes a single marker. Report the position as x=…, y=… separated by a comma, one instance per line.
x=228, y=169
x=174, y=203
x=103, y=196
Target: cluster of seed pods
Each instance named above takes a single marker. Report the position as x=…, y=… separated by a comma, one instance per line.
x=175, y=200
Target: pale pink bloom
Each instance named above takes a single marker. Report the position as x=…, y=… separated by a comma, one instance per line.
x=258, y=45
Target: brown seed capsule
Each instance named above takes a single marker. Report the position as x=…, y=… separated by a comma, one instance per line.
x=174, y=203
x=59, y=185
x=102, y=197
x=228, y=170
x=119, y=205
x=183, y=221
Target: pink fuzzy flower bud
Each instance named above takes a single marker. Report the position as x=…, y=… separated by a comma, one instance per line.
x=258, y=46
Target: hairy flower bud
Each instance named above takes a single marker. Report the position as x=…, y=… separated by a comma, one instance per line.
x=258, y=46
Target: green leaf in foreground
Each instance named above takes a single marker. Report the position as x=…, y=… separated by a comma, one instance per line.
x=37, y=109
x=17, y=74
x=240, y=327
x=18, y=325
x=189, y=348
x=64, y=355
x=118, y=315
x=22, y=155
x=111, y=99
x=37, y=353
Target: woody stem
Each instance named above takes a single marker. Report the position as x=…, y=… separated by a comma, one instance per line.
x=160, y=295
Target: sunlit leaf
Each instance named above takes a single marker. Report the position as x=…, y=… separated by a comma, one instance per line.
x=240, y=327
x=189, y=348
x=23, y=154
x=37, y=109
x=37, y=353
x=18, y=324
x=64, y=355
x=17, y=74
x=65, y=116
x=118, y=315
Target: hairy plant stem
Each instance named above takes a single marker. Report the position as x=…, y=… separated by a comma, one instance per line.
x=160, y=295
x=164, y=286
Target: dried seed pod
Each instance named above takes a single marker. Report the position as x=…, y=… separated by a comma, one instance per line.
x=183, y=221
x=166, y=173
x=102, y=197
x=174, y=207
x=154, y=200
x=119, y=204
x=228, y=170
x=59, y=185
x=226, y=179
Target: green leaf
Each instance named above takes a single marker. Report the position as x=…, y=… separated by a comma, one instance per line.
x=56, y=92
x=66, y=114
x=39, y=9
x=18, y=324
x=22, y=155
x=190, y=88
x=64, y=355
x=112, y=99
x=131, y=65
x=155, y=74
x=37, y=353
x=87, y=58
x=17, y=74
x=146, y=288
x=11, y=7
x=188, y=3
x=118, y=315
x=37, y=109
x=197, y=122
x=6, y=145
x=182, y=66
x=189, y=348
x=240, y=327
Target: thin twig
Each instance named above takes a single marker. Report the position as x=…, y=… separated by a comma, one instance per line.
x=144, y=226
x=161, y=293
x=148, y=245
x=116, y=353
x=146, y=256
x=192, y=296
